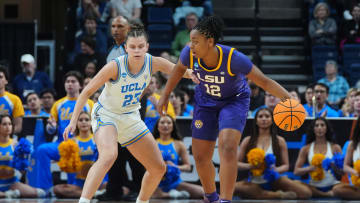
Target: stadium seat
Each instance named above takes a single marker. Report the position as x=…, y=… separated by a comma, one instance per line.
x=159, y=15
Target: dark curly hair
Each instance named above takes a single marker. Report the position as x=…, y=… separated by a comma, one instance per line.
x=211, y=27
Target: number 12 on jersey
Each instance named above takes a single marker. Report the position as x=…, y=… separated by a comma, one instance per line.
x=213, y=90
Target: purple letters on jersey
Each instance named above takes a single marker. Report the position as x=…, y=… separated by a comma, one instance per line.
x=224, y=81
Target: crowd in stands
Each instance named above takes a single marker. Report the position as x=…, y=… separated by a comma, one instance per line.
x=101, y=32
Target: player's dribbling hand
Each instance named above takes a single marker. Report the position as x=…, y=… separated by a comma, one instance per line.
x=69, y=129
x=162, y=105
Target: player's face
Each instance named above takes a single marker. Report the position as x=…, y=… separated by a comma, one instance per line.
x=351, y=98
x=72, y=85
x=320, y=128
x=3, y=81
x=199, y=44
x=84, y=122
x=263, y=119
x=6, y=126
x=137, y=47
x=165, y=126
x=119, y=29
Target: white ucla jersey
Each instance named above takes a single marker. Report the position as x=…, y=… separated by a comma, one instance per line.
x=123, y=94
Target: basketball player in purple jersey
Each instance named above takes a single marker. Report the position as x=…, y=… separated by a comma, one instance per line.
x=221, y=103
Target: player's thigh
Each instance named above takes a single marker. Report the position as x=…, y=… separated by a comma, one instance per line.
x=106, y=139
x=147, y=152
x=233, y=115
x=205, y=123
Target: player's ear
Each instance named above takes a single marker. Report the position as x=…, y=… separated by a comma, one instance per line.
x=211, y=41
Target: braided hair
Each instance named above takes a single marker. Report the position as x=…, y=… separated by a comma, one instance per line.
x=137, y=30
x=211, y=27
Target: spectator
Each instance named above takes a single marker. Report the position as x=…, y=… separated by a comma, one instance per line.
x=31, y=79
x=34, y=104
x=351, y=29
x=91, y=30
x=322, y=29
x=357, y=104
x=347, y=109
x=151, y=115
x=93, y=7
x=206, y=4
x=61, y=113
x=294, y=94
x=10, y=104
x=131, y=9
x=309, y=94
x=90, y=69
x=88, y=54
x=11, y=187
x=350, y=191
x=176, y=157
x=319, y=141
x=321, y=92
x=47, y=99
x=257, y=187
x=182, y=38
x=257, y=97
x=270, y=102
x=88, y=155
x=177, y=99
x=338, y=86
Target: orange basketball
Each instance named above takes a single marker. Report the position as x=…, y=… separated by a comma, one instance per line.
x=289, y=115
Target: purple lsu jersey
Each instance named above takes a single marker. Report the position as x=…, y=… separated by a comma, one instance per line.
x=224, y=81
x=223, y=96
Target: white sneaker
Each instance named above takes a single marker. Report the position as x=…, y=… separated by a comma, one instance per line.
x=178, y=194
x=12, y=194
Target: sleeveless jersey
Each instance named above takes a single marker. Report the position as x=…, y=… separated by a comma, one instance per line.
x=356, y=153
x=7, y=177
x=329, y=178
x=88, y=154
x=261, y=179
x=168, y=151
x=224, y=81
x=123, y=94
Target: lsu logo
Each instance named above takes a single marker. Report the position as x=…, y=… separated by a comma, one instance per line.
x=198, y=124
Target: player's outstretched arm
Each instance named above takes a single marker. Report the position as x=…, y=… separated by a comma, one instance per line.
x=173, y=80
x=165, y=66
x=267, y=84
x=109, y=71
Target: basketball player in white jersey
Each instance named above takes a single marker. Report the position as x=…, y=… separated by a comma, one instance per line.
x=115, y=117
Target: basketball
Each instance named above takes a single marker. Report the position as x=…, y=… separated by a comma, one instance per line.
x=289, y=115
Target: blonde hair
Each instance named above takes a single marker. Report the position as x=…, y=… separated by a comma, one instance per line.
x=317, y=7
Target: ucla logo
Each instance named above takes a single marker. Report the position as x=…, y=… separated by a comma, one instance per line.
x=198, y=124
x=123, y=75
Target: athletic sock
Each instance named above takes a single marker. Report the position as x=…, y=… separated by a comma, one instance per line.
x=212, y=197
x=140, y=201
x=84, y=200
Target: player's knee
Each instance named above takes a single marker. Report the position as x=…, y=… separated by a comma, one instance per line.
x=228, y=150
x=159, y=168
x=108, y=157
